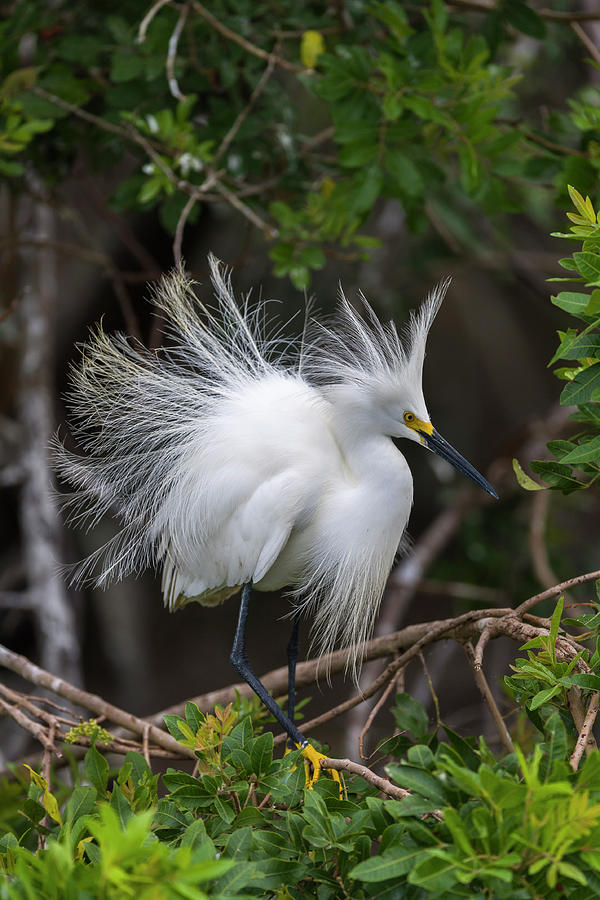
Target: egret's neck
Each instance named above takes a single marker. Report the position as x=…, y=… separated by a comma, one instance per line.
x=358, y=427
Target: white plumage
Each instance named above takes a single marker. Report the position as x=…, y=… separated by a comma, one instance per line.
x=234, y=457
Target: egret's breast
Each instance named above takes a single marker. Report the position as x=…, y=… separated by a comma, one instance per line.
x=349, y=518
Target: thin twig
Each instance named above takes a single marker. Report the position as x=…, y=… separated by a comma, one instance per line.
x=555, y=590
x=47, y=755
x=141, y=36
x=38, y=731
x=145, y=742
x=587, y=42
x=172, y=54
x=585, y=740
x=373, y=713
x=226, y=142
x=269, y=231
x=382, y=784
x=242, y=42
x=540, y=503
x=178, y=239
x=486, y=634
x=488, y=697
x=30, y=672
x=434, y=696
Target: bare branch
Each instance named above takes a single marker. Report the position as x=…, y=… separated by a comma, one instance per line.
x=585, y=740
x=555, y=591
x=487, y=695
x=540, y=503
x=38, y=676
x=154, y=9
x=172, y=53
x=27, y=724
x=374, y=711
x=226, y=142
x=587, y=41
x=178, y=239
x=270, y=231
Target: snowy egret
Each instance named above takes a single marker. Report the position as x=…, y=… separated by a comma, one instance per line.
x=235, y=459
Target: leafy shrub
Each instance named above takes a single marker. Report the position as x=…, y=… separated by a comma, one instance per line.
x=518, y=826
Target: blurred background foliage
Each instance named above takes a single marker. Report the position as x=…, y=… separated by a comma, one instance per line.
x=385, y=144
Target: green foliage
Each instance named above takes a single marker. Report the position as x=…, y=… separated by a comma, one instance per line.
x=576, y=463
x=424, y=105
x=90, y=730
x=520, y=826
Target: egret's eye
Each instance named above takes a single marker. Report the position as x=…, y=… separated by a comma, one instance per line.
x=409, y=418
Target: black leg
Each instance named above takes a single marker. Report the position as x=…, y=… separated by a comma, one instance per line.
x=292, y=656
x=240, y=662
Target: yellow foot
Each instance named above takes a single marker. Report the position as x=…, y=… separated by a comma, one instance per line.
x=312, y=764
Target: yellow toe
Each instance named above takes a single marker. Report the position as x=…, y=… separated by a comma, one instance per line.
x=312, y=764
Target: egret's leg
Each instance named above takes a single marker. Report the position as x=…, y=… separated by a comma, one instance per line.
x=240, y=662
x=292, y=657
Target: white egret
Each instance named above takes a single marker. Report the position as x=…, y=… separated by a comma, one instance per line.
x=238, y=460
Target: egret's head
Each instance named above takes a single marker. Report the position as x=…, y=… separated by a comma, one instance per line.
x=425, y=433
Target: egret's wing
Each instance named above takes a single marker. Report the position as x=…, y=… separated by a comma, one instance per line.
x=240, y=548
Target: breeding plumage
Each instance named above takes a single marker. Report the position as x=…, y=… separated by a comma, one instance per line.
x=235, y=458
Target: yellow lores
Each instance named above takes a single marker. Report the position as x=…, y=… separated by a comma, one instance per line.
x=411, y=421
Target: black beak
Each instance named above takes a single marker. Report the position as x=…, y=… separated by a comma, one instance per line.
x=440, y=446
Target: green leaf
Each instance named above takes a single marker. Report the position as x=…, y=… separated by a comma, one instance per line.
x=10, y=167
x=300, y=277
x=95, y=770
x=81, y=803
x=397, y=862
x=584, y=207
x=558, y=476
x=556, y=737
x=312, y=257
x=543, y=696
x=584, y=388
x=50, y=804
x=410, y=716
x=169, y=815
x=126, y=66
x=261, y=753
x=524, y=480
x=583, y=680
x=119, y=804
x=572, y=302
x=581, y=347
x=420, y=755
x=367, y=186
x=593, y=307
x=588, y=265
x=555, y=621
x=463, y=748
x=524, y=18
x=224, y=810
x=436, y=873
x=209, y=869
x=405, y=174
x=194, y=718
x=587, y=451
x=415, y=779
x=150, y=189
